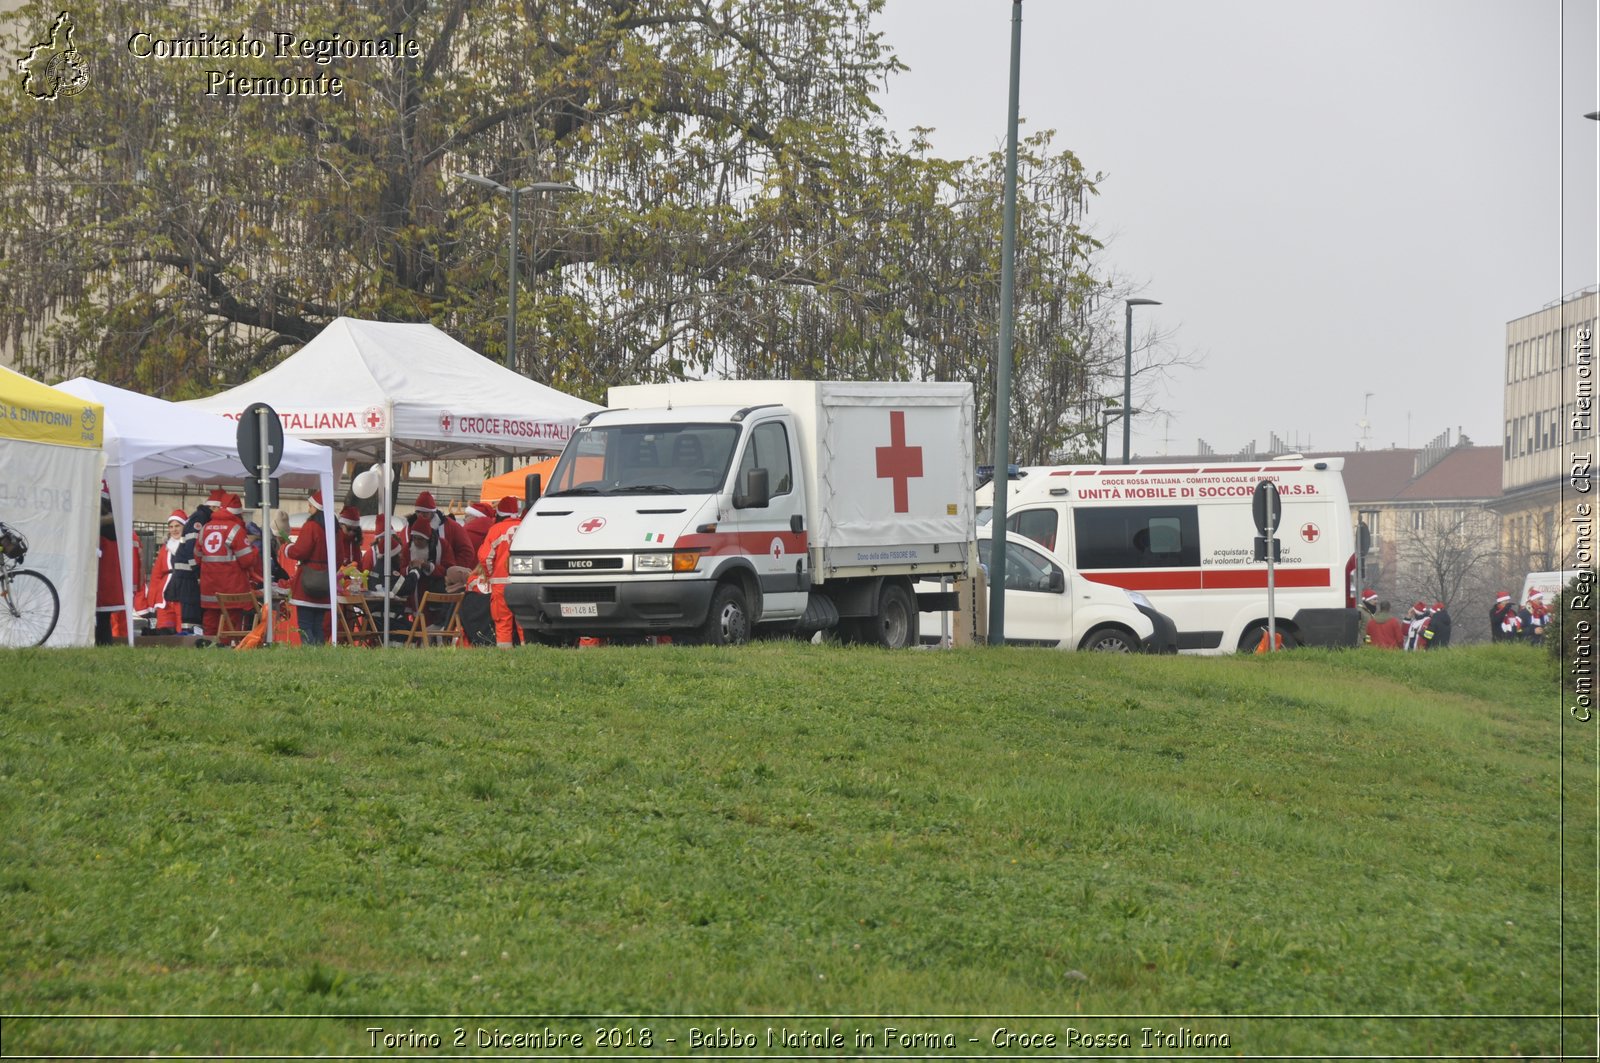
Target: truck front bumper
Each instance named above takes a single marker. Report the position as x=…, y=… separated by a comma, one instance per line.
x=633, y=606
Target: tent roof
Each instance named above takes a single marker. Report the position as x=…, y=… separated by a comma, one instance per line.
x=39, y=413
x=515, y=482
x=359, y=382
x=156, y=438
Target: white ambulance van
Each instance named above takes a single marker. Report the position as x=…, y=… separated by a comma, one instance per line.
x=1184, y=536
x=713, y=510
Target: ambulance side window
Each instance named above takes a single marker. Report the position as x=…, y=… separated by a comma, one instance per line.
x=1137, y=537
x=769, y=449
x=1036, y=524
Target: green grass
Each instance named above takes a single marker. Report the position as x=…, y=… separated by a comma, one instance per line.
x=789, y=829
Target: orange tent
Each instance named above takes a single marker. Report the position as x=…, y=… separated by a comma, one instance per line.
x=511, y=483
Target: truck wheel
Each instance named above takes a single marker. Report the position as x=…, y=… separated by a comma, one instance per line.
x=728, y=621
x=1109, y=640
x=895, y=626
x=1256, y=632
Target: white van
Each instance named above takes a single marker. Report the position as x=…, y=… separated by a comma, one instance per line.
x=1551, y=584
x=1184, y=536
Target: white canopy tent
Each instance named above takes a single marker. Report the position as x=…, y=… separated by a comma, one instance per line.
x=407, y=393
x=394, y=391
x=147, y=438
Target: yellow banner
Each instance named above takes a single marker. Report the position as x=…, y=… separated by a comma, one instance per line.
x=31, y=411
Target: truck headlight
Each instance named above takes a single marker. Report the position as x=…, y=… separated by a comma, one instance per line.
x=652, y=562
x=1138, y=599
x=522, y=564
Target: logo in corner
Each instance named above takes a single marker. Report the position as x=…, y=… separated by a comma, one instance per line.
x=444, y=422
x=54, y=67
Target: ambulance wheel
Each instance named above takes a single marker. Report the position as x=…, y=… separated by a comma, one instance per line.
x=895, y=626
x=728, y=621
x=1109, y=640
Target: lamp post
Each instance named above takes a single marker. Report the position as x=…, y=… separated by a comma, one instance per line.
x=511, y=269
x=1127, y=374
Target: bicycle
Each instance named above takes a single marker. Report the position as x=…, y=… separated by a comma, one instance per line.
x=29, y=605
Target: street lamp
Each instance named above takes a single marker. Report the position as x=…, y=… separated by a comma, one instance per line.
x=1127, y=375
x=511, y=270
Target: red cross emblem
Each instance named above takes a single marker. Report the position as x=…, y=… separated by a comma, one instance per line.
x=899, y=462
x=444, y=423
x=1310, y=532
x=373, y=418
x=592, y=525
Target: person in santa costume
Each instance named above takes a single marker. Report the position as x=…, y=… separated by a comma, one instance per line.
x=110, y=606
x=310, y=551
x=168, y=612
x=227, y=562
x=480, y=518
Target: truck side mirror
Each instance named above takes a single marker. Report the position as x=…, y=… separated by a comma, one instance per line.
x=532, y=488
x=757, y=494
x=1058, y=581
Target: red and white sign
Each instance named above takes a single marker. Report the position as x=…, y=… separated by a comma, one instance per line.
x=1310, y=532
x=592, y=525
x=899, y=462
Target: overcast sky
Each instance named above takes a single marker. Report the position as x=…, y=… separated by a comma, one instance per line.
x=1328, y=199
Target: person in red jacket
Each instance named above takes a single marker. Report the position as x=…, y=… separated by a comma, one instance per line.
x=310, y=551
x=168, y=614
x=110, y=616
x=480, y=518
x=495, y=559
x=228, y=563
x=1385, y=630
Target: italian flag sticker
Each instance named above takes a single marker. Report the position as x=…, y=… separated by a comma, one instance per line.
x=654, y=537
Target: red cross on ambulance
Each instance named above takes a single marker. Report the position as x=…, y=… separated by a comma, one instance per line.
x=1310, y=532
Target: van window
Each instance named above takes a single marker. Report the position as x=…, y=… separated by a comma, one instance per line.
x=1036, y=524
x=1026, y=568
x=768, y=449
x=1137, y=537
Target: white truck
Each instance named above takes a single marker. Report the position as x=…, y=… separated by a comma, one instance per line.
x=712, y=510
x=1183, y=535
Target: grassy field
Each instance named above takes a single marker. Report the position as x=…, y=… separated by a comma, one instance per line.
x=280, y=851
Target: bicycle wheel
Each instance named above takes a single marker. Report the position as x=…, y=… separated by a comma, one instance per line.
x=28, y=609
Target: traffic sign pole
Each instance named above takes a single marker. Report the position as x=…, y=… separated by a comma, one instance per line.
x=264, y=472
x=1272, y=589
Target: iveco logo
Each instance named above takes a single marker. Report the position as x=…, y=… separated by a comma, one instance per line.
x=580, y=564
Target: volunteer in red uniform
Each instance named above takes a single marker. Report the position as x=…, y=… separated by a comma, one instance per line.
x=228, y=563
x=168, y=613
x=310, y=550
x=347, y=551
x=454, y=547
x=495, y=559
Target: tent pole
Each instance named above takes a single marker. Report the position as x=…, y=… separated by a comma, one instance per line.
x=388, y=503
x=122, y=522
x=330, y=529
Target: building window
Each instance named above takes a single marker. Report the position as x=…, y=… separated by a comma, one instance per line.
x=1418, y=520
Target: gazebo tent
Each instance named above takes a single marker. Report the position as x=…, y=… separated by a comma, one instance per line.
x=50, y=450
x=146, y=438
x=406, y=392
x=394, y=391
x=515, y=482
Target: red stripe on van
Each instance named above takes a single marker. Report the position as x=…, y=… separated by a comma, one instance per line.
x=1248, y=468
x=1283, y=468
x=1212, y=579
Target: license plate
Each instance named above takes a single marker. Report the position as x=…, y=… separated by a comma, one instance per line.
x=579, y=609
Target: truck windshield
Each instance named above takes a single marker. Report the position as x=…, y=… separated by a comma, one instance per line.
x=668, y=459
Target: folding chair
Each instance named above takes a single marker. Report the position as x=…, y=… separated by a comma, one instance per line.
x=243, y=606
x=425, y=634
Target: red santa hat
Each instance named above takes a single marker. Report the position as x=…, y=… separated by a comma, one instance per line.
x=480, y=509
x=509, y=506
x=350, y=517
x=425, y=503
x=1438, y=607
x=1503, y=596
x=1369, y=595
x=315, y=501
x=1535, y=595
x=178, y=516
x=232, y=504
x=1420, y=607
x=216, y=499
